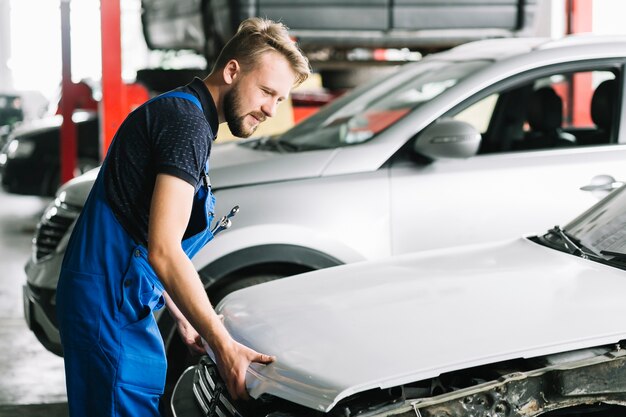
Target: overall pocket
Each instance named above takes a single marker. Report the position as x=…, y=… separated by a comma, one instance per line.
x=79, y=308
x=140, y=292
x=142, y=362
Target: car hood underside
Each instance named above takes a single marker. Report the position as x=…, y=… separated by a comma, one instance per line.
x=352, y=328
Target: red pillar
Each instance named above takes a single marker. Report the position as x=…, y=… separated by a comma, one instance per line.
x=113, y=108
x=579, y=20
x=68, y=138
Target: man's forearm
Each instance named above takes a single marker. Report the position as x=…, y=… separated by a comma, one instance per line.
x=173, y=309
x=170, y=211
x=187, y=296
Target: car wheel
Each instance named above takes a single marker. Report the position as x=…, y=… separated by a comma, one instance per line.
x=220, y=293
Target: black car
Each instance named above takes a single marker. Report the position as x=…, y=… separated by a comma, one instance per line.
x=11, y=113
x=30, y=160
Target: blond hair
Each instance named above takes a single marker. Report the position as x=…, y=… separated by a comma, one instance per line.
x=256, y=36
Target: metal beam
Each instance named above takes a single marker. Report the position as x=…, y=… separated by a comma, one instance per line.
x=114, y=106
x=579, y=20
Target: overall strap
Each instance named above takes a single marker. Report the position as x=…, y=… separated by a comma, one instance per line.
x=179, y=94
x=207, y=180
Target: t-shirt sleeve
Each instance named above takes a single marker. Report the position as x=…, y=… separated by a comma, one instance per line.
x=180, y=147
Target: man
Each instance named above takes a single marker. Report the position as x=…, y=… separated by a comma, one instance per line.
x=148, y=213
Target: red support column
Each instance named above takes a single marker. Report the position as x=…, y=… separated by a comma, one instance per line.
x=68, y=138
x=578, y=16
x=113, y=108
x=579, y=20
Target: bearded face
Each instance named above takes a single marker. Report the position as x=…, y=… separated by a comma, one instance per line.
x=253, y=95
x=241, y=123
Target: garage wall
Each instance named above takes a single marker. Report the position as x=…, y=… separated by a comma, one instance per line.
x=6, y=81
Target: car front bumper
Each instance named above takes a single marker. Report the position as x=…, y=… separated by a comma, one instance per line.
x=39, y=312
x=184, y=402
x=39, y=299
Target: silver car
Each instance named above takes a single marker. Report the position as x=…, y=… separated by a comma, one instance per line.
x=520, y=327
x=488, y=140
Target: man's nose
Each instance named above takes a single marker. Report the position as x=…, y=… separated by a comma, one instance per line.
x=269, y=107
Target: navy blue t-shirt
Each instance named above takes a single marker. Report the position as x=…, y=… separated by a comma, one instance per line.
x=169, y=135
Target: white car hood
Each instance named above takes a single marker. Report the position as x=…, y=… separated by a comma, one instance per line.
x=352, y=328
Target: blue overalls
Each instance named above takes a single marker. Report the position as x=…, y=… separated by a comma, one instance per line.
x=115, y=360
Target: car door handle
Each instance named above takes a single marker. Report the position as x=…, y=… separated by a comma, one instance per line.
x=602, y=183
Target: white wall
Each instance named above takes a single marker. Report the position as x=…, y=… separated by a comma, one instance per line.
x=6, y=80
x=35, y=61
x=608, y=17
x=550, y=18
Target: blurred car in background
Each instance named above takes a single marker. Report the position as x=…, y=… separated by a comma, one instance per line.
x=11, y=113
x=471, y=145
x=524, y=327
x=11, y=110
x=30, y=160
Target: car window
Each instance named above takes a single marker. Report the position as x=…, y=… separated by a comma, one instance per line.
x=479, y=114
x=367, y=119
x=560, y=110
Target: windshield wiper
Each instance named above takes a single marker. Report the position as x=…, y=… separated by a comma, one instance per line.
x=585, y=253
x=268, y=143
x=616, y=255
x=283, y=145
x=572, y=247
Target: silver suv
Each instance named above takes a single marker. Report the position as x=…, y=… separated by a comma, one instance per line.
x=486, y=141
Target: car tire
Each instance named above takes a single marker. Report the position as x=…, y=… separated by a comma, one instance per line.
x=220, y=293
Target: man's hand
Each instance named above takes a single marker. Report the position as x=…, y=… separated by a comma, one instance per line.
x=233, y=361
x=191, y=338
x=187, y=332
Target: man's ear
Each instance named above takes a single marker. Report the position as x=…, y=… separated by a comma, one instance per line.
x=231, y=71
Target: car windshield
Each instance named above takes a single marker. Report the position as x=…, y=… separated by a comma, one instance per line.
x=362, y=116
x=598, y=233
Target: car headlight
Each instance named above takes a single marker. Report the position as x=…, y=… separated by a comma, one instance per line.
x=17, y=149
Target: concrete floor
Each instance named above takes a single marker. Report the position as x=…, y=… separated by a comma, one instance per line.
x=32, y=382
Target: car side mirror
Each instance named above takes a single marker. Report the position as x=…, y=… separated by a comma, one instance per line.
x=448, y=138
